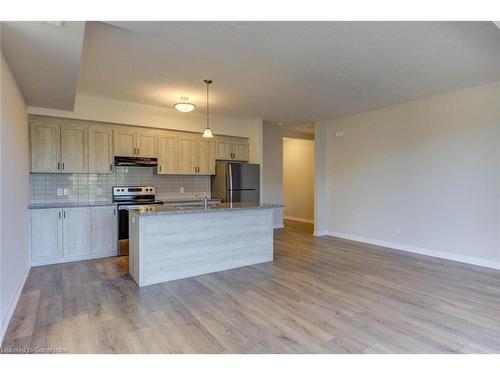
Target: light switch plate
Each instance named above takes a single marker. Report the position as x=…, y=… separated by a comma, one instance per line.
x=181, y=190
x=99, y=191
x=339, y=134
x=59, y=192
x=65, y=191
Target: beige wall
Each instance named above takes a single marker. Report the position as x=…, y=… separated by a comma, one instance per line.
x=14, y=194
x=298, y=179
x=272, y=189
x=114, y=111
x=422, y=176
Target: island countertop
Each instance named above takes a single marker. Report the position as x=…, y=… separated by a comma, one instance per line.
x=173, y=210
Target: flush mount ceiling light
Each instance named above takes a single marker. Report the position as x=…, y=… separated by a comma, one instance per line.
x=185, y=106
x=208, y=132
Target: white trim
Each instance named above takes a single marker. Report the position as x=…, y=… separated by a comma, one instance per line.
x=319, y=233
x=302, y=219
x=12, y=305
x=419, y=250
x=278, y=226
x=72, y=259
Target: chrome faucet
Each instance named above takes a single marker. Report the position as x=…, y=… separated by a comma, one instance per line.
x=205, y=201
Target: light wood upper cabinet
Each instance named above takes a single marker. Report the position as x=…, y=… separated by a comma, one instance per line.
x=205, y=159
x=103, y=229
x=45, y=147
x=46, y=234
x=100, y=150
x=167, y=154
x=76, y=231
x=231, y=148
x=240, y=149
x=146, y=144
x=125, y=142
x=74, y=149
x=186, y=154
x=223, y=148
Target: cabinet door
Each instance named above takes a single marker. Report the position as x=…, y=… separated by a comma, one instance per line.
x=146, y=144
x=46, y=234
x=240, y=150
x=45, y=147
x=223, y=148
x=205, y=156
x=167, y=154
x=186, y=155
x=103, y=229
x=76, y=231
x=100, y=150
x=124, y=143
x=74, y=149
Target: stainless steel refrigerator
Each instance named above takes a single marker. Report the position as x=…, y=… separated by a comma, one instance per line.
x=236, y=182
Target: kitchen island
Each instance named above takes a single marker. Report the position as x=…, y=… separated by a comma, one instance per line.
x=168, y=243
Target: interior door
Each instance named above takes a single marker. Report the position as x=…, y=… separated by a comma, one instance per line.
x=45, y=147
x=74, y=149
x=76, y=231
x=186, y=155
x=167, y=154
x=205, y=156
x=100, y=150
x=124, y=142
x=146, y=144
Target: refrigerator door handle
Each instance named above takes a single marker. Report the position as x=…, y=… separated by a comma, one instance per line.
x=230, y=170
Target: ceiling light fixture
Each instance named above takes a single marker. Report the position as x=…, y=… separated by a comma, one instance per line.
x=184, y=106
x=208, y=132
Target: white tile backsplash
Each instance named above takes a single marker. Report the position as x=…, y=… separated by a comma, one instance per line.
x=83, y=187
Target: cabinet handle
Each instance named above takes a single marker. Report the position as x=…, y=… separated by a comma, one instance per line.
x=59, y=214
x=63, y=166
x=111, y=167
x=159, y=166
x=64, y=214
x=114, y=211
x=58, y=165
x=138, y=152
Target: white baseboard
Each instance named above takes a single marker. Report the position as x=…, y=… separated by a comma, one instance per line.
x=72, y=259
x=12, y=305
x=278, y=226
x=321, y=232
x=418, y=250
x=294, y=218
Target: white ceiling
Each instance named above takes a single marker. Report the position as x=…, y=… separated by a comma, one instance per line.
x=290, y=72
x=45, y=60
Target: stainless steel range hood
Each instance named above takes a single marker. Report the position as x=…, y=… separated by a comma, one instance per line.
x=135, y=161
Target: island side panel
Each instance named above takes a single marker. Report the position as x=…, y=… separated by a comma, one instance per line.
x=134, y=246
x=184, y=245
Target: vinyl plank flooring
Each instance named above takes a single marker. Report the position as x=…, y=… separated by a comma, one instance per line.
x=319, y=295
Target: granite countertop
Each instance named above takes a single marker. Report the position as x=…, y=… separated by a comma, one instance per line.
x=176, y=210
x=35, y=206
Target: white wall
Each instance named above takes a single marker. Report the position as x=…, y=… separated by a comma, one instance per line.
x=273, y=166
x=422, y=176
x=120, y=112
x=14, y=195
x=298, y=179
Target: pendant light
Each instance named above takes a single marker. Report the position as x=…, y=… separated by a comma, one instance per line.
x=185, y=106
x=208, y=132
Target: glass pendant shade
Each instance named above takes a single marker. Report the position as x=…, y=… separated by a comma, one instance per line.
x=208, y=133
x=185, y=106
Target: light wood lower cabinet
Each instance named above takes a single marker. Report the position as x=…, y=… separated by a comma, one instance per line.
x=103, y=229
x=46, y=234
x=76, y=231
x=65, y=234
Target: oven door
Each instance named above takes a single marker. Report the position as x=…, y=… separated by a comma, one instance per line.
x=122, y=231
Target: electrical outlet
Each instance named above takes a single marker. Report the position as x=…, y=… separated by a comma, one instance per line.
x=339, y=134
x=181, y=190
x=99, y=191
x=65, y=191
x=59, y=192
